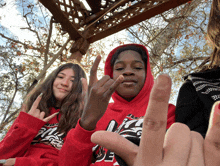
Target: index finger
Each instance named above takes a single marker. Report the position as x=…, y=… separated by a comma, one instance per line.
x=93, y=71
x=84, y=86
x=23, y=107
x=155, y=121
x=36, y=103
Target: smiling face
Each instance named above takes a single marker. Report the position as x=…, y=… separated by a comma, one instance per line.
x=129, y=64
x=62, y=84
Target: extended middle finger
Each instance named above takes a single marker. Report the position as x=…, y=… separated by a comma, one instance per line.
x=155, y=121
x=93, y=71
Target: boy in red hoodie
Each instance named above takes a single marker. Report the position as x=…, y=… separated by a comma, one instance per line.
x=128, y=76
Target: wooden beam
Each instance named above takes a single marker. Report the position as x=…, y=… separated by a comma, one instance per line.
x=95, y=5
x=62, y=19
x=136, y=19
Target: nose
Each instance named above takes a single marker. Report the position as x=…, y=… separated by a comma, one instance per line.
x=65, y=82
x=128, y=71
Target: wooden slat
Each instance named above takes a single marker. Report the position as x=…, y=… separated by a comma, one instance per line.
x=62, y=19
x=135, y=20
x=95, y=5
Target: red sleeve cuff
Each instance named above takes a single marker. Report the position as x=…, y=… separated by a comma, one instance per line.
x=80, y=134
x=30, y=121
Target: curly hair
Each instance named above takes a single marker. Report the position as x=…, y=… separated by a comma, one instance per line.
x=71, y=106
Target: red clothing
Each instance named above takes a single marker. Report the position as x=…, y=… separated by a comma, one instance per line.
x=123, y=117
x=32, y=141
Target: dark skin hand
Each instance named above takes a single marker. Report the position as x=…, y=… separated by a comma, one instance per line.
x=98, y=95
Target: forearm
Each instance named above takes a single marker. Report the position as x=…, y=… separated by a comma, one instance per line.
x=20, y=136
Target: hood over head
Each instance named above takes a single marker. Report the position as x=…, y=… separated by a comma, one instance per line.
x=143, y=97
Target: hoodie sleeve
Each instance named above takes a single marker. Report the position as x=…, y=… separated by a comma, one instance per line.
x=20, y=136
x=170, y=115
x=190, y=109
x=77, y=149
x=27, y=161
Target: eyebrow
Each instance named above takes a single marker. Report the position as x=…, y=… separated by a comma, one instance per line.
x=65, y=74
x=136, y=61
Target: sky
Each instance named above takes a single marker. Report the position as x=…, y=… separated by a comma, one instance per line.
x=13, y=21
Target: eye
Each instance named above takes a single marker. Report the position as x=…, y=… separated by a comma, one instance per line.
x=138, y=68
x=118, y=69
x=72, y=80
x=60, y=77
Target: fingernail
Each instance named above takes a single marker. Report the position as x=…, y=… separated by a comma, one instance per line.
x=121, y=78
x=41, y=94
x=163, y=80
x=217, y=108
x=2, y=161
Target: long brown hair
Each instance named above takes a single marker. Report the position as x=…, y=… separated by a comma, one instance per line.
x=213, y=34
x=71, y=107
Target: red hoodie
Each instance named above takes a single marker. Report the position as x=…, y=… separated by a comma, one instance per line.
x=32, y=141
x=123, y=117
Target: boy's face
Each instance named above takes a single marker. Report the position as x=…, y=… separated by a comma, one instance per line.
x=129, y=64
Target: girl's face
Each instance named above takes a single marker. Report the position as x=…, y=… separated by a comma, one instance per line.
x=62, y=84
x=129, y=64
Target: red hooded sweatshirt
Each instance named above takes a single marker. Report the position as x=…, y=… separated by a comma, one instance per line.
x=122, y=116
x=32, y=141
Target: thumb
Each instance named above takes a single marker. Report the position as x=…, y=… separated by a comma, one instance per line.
x=47, y=119
x=213, y=133
x=111, y=141
x=215, y=115
x=10, y=162
x=212, y=139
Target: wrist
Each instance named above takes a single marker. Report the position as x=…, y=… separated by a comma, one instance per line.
x=88, y=124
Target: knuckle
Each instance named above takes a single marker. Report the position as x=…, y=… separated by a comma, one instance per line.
x=217, y=145
x=100, y=93
x=92, y=71
x=153, y=124
x=107, y=77
x=94, y=90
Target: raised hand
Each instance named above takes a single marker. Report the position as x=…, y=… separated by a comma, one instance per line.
x=36, y=112
x=98, y=96
x=157, y=148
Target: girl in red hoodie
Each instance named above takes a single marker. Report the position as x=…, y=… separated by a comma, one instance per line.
x=128, y=76
x=37, y=135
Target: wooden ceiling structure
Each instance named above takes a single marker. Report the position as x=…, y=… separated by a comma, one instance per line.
x=104, y=18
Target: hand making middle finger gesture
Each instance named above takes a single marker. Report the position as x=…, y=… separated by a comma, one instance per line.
x=98, y=95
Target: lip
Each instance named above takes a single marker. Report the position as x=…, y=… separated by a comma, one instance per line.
x=62, y=90
x=129, y=81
